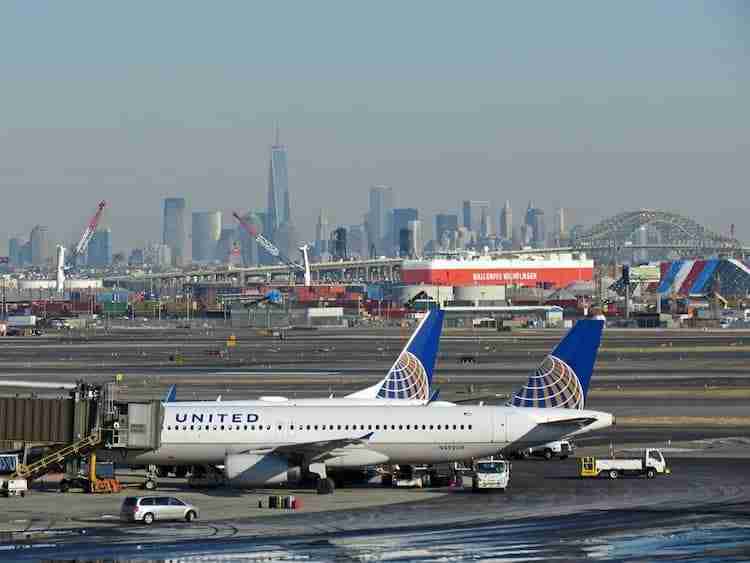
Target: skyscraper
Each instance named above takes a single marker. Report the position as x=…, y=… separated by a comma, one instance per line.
x=100, y=249
x=473, y=211
x=401, y=218
x=206, y=234
x=559, y=222
x=415, y=236
x=225, y=245
x=380, y=219
x=445, y=223
x=15, y=251
x=249, y=247
x=535, y=232
x=40, y=250
x=322, y=235
x=279, y=209
x=357, y=241
x=175, y=229
x=506, y=222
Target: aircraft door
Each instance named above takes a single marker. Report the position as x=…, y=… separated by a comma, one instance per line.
x=499, y=427
x=288, y=431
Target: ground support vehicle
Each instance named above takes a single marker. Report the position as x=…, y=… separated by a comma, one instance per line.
x=650, y=464
x=560, y=448
x=14, y=487
x=490, y=473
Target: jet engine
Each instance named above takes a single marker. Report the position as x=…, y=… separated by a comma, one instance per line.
x=250, y=470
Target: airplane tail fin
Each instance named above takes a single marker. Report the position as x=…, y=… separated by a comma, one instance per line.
x=171, y=395
x=410, y=376
x=562, y=379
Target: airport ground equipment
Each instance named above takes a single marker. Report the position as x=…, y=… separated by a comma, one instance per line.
x=411, y=476
x=14, y=487
x=490, y=473
x=650, y=464
x=59, y=457
x=8, y=463
x=91, y=482
x=559, y=448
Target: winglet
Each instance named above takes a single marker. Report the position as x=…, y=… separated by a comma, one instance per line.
x=171, y=395
x=367, y=436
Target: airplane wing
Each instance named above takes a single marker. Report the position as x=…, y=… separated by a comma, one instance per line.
x=314, y=451
x=576, y=423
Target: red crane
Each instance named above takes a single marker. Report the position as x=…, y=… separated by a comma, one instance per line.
x=80, y=248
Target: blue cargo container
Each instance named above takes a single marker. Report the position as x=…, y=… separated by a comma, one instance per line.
x=8, y=463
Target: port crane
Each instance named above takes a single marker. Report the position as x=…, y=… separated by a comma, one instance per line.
x=63, y=264
x=273, y=250
x=88, y=232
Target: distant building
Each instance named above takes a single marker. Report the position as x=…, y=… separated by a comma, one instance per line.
x=417, y=241
x=206, y=234
x=322, y=235
x=157, y=255
x=506, y=222
x=473, y=211
x=535, y=232
x=225, y=246
x=100, y=249
x=136, y=258
x=445, y=223
x=339, y=247
x=249, y=249
x=357, y=242
x=40, y=246
x=279, y=207
x=560, y=222
x=401, y=219
x=380, y=219
x=175, y=229
x=15, y=251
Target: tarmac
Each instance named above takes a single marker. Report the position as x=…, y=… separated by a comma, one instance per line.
x=683, y=391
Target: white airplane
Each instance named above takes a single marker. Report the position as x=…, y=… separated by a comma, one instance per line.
x=265, y=444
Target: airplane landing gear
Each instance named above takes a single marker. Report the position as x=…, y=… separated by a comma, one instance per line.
x=326, y=486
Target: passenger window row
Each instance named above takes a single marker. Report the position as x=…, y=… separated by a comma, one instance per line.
x=260, y=427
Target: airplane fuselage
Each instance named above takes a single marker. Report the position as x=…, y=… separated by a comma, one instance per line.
x=205, y=433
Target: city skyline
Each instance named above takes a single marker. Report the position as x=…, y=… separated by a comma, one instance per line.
x=558, y=105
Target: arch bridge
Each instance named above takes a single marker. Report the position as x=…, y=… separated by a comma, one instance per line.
x=654, y=234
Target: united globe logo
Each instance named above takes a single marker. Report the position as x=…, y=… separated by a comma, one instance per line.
x=406, y=380
x=553, y=384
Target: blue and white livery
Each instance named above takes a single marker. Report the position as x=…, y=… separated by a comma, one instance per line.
x=562, y=380
x=410, y=376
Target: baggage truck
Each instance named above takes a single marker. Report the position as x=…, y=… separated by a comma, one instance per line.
x=650, y=464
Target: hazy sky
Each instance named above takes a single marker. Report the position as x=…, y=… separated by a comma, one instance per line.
x=598, y=106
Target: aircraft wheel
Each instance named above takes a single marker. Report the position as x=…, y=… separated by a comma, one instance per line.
x=613, y=474
x=326, y=486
